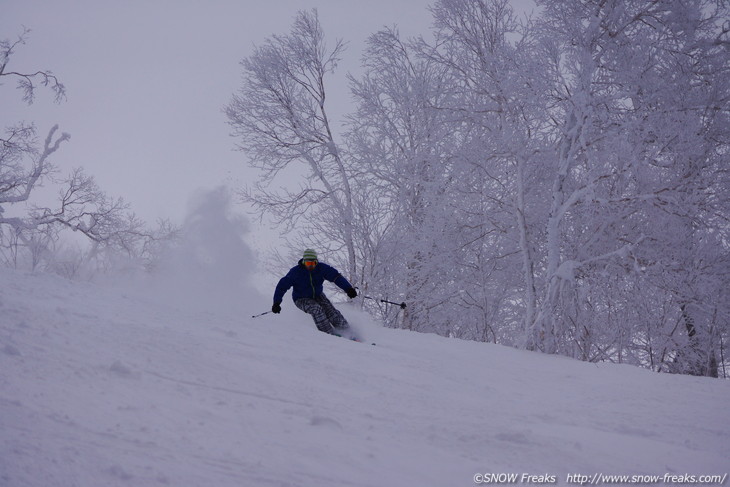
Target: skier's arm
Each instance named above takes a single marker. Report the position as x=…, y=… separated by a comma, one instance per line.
x=284, y=284
x=333, y=275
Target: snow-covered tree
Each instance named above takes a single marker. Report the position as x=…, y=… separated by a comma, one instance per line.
x=399, y=143
x=26, y=165
x=280, y=117
x=640, y=93
x=498, y=104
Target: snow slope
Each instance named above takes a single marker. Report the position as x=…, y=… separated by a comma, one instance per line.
x=106, y=386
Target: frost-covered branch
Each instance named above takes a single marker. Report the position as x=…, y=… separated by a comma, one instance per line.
x=17, y=186
x=28, y=82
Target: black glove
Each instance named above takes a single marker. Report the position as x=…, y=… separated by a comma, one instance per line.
x=276, y=308
x=351, y=293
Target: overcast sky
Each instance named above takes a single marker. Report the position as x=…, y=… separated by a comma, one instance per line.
x=147, y=81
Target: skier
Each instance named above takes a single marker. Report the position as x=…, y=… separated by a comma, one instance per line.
x=307, y=278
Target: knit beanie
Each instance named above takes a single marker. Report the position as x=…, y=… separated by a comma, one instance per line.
x=309, y=254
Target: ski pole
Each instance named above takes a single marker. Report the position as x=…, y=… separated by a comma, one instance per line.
x=402, y=305
x=261, y=314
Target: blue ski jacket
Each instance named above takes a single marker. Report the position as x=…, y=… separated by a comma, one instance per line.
x=308, y=284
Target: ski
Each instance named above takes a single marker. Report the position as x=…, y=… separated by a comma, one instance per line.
x=351, y=338
x=356, y=339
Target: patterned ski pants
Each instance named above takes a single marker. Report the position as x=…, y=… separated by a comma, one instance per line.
x=325, y=315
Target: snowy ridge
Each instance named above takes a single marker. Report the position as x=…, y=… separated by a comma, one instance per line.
x=101, y=386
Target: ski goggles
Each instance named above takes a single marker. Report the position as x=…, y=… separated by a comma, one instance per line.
x=310, y=264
